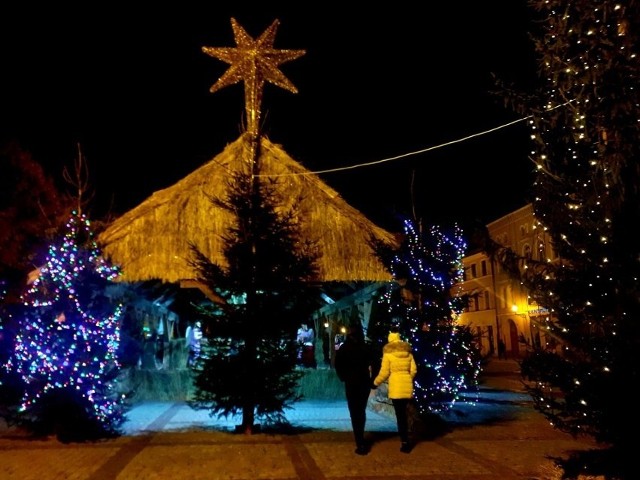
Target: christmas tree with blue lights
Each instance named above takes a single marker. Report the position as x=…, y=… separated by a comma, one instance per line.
x=422, y=305
x=66, y=346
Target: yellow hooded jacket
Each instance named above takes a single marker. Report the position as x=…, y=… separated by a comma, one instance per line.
x=398, y=366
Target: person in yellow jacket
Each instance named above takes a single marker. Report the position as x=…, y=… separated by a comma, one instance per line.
x=398, y=368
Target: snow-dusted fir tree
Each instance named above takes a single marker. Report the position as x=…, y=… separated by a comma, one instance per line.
x=422, y=303
x=585, y=130
x=66, y=346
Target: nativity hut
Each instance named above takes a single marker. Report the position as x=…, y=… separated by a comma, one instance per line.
x=151, y=241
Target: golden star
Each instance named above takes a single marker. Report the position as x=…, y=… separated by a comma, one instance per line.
x=254, y=61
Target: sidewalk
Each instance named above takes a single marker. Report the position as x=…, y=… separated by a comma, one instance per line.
x=500, y=437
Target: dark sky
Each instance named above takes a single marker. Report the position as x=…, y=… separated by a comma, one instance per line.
x=131, y=85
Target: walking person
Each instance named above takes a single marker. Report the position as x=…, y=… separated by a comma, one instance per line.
x=353, y=364
x=502, y=350
x=398, y=368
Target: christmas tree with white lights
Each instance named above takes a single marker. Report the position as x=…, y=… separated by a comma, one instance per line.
x=421, y=303
x=67, y=341
x=585, y=130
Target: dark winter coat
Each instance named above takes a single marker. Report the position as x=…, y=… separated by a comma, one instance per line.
x=353, y=362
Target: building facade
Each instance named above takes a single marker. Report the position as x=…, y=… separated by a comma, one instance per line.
x=500, y=311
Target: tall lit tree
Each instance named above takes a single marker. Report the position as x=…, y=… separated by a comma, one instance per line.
x=66, y=346
x=585, y=127
x=248, y=362
x=423, y=305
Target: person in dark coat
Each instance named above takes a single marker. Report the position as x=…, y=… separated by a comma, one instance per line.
x=353, y=363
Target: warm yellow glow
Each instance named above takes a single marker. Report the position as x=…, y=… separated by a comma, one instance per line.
x=253, y=61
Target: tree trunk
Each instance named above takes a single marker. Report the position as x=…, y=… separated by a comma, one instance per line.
x=248, y=417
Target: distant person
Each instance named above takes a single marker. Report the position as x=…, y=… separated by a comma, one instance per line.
x=305, y=334
x=306, y=347
x=193, y=337
x=353, y=365
x=502, y=350
x=399, y=368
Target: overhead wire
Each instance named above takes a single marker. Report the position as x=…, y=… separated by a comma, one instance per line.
x=409, y=154
x=397, y=157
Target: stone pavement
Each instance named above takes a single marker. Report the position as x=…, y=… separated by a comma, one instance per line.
x=498, y=437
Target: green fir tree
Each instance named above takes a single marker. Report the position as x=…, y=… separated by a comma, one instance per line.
x=585, y=130
x=248, y=361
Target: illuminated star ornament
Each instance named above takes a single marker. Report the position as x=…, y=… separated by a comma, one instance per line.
x=254, y=61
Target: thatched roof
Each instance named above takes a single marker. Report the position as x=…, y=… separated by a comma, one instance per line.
x=151, y=241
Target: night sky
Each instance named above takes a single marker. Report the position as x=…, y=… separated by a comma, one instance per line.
x=131, y=85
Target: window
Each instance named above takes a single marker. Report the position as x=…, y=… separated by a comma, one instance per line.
x=474, y=271
x=483, y=267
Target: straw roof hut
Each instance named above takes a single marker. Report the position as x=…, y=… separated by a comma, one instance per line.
x=151, y=241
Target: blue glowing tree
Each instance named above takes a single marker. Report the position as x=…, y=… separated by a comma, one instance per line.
x=421, y=303
x=66, y=346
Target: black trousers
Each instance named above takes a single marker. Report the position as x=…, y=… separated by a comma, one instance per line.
x=357, y=397
x=400, y=406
